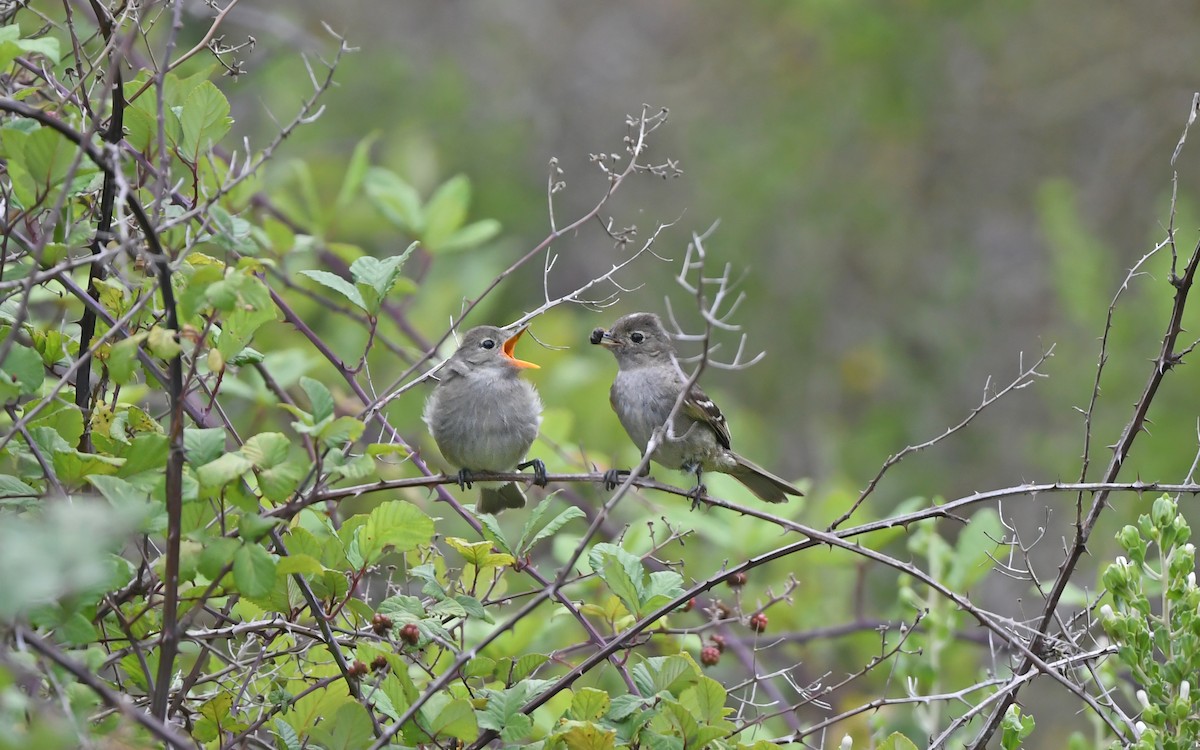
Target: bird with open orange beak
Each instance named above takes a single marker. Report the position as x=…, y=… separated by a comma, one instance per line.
x=484, y=417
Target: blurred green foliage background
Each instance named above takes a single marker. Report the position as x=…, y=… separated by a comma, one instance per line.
x=918, y=193
x=921, y=195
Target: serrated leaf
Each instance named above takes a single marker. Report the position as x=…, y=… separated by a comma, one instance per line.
x=502, y=707
x=338, y=284
x=299, y=563
x=46, y=46
x=122, y=358
x=480, y=554
x=455, y=719
x=706, y=700
x=526, y=665
x=589, y=737
x=493, y=532
x=659, y=673
x=21, y=373
x=349, y=729
x=562, y=519
x=266, y=449
x=623, y=706
x=395, y=524
x=375, y=277
x=203, y=445
x=223, y=470
x=622, y=571
x=217, y=553
x=319, y=397
x=161, y=343
x=287, y=735
x=279, y=482
x=590, y=704
x=664, y=586
x=12, y=487
x=204, y=120
x=253, y=571
x=340, y=431
x=480, y=666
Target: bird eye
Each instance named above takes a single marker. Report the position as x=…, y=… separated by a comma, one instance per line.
x=488, y=344
x=636, y=337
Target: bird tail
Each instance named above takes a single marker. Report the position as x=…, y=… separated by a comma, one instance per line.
x=763, y=483
x=496, y=499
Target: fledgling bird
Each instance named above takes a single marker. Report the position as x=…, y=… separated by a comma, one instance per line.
x=649, y=381
x=484, y=417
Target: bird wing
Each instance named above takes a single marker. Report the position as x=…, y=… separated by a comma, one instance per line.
x=701, y=408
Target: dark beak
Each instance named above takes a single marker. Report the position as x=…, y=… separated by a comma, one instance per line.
x=603, y=338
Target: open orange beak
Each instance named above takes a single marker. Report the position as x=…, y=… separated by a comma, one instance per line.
x=509, y=344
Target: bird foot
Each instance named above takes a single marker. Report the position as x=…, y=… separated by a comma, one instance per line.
x=464, y=479
x=613, y=477
x=539, y=470
x=696, y=493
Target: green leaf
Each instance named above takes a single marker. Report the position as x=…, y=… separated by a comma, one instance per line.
x=589, y=737
x=266, y=449
x=973, y=555
x=395, y=524
x=669, y=673
x=204, y=119
x=252, y=526
x=319, y=397
x=222, y=471
x=355, y=171
x=298, y=563
x=217, y=553
x=446, y=211
x=13, y=487
x=589, y=704
x=562, y=519
x=253, y=571
x=340, y=431
x=525, y=665
x=456, y=719
x=203, y=445
x=493, y=532
x=664, y=586
x=119, y=492
x=21, y=374
x=349, y=729
x=480, y=554
x=48, y=158
x=339, y=285
x=706, y=700
x=162, y=343
x=279, y=482
x=230, y=232
x=287, y=735
x=503, y=706
x=622, y=571
x=471, y=236
x=376, y=278
x=252, y=308
x=122, y=358
x=897, y=741
x=398, y=201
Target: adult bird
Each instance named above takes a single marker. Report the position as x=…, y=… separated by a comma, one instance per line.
x=484, y=417
x=648, y=383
